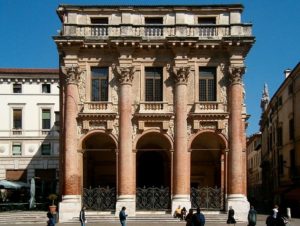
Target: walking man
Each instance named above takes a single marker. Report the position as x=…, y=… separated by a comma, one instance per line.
x=122, y=216
x=198, y=218
x=252, y=216
x=82, y=218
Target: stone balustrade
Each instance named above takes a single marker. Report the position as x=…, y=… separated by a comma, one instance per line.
x=93, y=107
x=157, y=31
x=206, y=107
x=153, y=107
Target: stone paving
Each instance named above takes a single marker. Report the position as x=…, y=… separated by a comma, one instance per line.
x=261, y=222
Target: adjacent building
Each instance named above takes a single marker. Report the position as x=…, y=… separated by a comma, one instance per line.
x=29, y=133
x=281, y=143
x=152, y=105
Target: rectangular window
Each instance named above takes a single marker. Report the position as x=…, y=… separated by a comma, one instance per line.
x=17, y=118
x=290, y=89
x=46, y=119
x=57, y=118
x=16, y=149
x=279, y=136
x=291, y=129
x=99, y=83
x=207, y=84
x=280, y=164
x=153, y=76
x=17, y=88
x=46, y=149
x=99, y=20
x=153, y=20
x=46, y=88
x=207, y=20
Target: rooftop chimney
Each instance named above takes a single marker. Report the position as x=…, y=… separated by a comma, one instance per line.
x=287, y=72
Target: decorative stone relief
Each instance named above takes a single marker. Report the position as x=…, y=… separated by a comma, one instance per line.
x=115, y=130
x=72, y=74
x=208, y=125
x=180, y=74
x=134, y=131
x=225, y=130
x=223, y=93
x=97, y=125
x=236, y=74
x=189, y=130
x=123, y=74
x=81, y=86
x=171, y=129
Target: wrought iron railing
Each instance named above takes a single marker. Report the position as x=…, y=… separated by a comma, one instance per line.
x=153, y=198
x=156, y=31
x=208, y=198
x=100, y=198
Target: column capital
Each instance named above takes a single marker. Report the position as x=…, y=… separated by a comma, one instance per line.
x=236, y=74
x=123, y=74
x=180, y=74
x=71, y=73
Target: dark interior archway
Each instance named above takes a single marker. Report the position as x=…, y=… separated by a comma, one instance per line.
x=99, y=162
x=153, y=161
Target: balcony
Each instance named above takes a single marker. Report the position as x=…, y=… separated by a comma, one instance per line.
x=209, y=107
x=97, y=107
x=156, y=31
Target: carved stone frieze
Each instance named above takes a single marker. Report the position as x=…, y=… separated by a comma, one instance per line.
x=115, y=128
x=171, y=129
x=180, y=74
x=236, y=74
x=134, y=131
x=208, y=125
x=81, y=86
x=97, y=125
x=123, y=74
x=72, y=74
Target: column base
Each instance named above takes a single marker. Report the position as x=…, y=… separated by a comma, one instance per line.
x=240, y=205
x=182, y=201
x=129, y=202
x=69, y=207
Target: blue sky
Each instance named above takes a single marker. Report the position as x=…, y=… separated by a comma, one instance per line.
x=27, y=27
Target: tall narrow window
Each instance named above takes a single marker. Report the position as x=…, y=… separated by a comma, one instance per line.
x=153, y=83
x=99, y=83
x=279, y=136
x=46, y=119
x=46, y=149
x=291, y=129
x=207, y=84
x=16, y=149
x=17, y=88
x=17, y=118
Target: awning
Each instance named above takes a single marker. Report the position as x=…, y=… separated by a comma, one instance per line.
x=13, y=184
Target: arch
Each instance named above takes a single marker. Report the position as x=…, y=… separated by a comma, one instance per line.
x=166, y=140
x=91, y=133
x=220, y=137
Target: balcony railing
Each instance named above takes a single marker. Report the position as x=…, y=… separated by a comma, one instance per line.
x=97, y=107
x=153, y=107
x=206, y=107
x=157, y=31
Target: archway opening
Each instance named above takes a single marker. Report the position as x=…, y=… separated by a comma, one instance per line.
x=99, y=161
x=206, y=158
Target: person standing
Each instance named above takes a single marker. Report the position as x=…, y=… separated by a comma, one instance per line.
x=230, y=219
x=82, y=218
x=252, y=216
x=123, y=216
x=51, y=220
x=189, y=218
x=198, y=218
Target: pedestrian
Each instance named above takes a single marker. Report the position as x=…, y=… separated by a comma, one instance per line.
x=123, y=216
x=177, y=212
x=183, y=213
x=82, y=218
x=230, y=219
x=189, y=218
x=198, y=218
x=51, y=220
x=252, y=216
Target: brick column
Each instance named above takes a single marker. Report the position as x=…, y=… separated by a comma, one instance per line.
x=126, y=164
x=236, y=161
x=71, y=194
x=181, y=164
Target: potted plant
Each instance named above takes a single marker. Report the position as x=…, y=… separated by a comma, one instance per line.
x=52, y=197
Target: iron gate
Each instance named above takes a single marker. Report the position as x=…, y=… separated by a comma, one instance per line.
x=153, y=198
x=100, y=198
x=207, y=198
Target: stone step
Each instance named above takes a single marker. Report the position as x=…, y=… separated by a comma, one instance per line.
x=26, y=217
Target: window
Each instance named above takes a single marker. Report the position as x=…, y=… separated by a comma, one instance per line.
x=207, y=84
x=46, y=88
x=153, y=83
x=56, y=118
x=17, y=88
x=99, y=20
x=99, y=83
x=16, y=149
x=291, y=129
x=46, y=149
x=153, y=20
x=279, y=136
x=280, y=164
x=17, y=118
x=46, y=119
x=290, y=89
x=207, y=20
